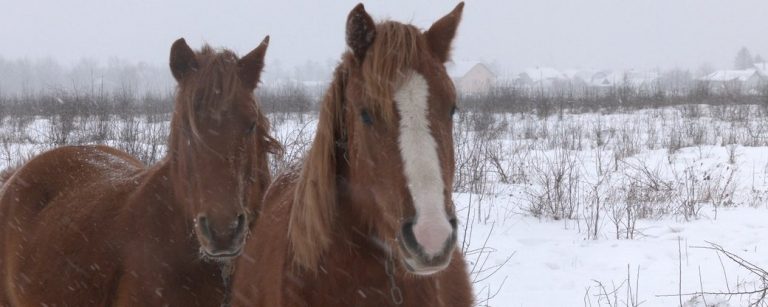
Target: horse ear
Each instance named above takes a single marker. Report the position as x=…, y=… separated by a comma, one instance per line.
x=360, y=31
x=441, y=33
x=183, y=60
x=252, y=64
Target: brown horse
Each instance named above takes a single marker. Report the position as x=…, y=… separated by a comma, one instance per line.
x=92, y=226
x=368, y=219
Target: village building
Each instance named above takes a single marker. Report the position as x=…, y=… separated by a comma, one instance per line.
x=747, y=81
x=471, y=77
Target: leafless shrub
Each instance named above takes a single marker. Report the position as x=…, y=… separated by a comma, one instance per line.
x=565, y=136
x=295, y=141
x=720, y=185
x=600, y=195
x=478, y=257
x=9, y=151
x=155, y=140
x=509, y=162
x=142, y=140
x=675, y=141
x=692, y=111
x=625, y=294
x=696, y=132
x=19, y=125
x=102, y=129
x=532, y=131
x=128, y=136
x=627, y=143
x=60, y=129
x=285, y=98
x=757, y=132
x=482, y=121
x=757, y=197
x=688, y=193
x=732, y=153
x=471, y=162
x=653, y=140
x=750, y=293
x=555, y=193
x=648, y=193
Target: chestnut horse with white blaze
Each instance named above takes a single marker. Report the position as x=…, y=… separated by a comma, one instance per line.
x=368, y=219
x=92, y=226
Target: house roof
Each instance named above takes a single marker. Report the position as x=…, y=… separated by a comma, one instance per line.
x=583, y=74
x=730, y=75
x=543, y=73
x=631, y=77
x=459, y=69
x=762, y=68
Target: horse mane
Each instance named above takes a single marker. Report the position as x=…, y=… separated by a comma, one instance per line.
x=218, y=68
x=387, y=63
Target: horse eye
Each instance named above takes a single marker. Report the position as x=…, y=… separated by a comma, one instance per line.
x=453, y=111
x=366, y=117
x=251, y=129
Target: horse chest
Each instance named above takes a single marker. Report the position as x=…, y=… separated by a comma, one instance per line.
x=155, y=280
x=360, y=281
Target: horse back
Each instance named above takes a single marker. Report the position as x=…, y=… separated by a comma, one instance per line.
x=52, y=209
x=61, y=172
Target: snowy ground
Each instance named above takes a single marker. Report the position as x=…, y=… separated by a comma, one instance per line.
x=551, y=264
x=573, y=210
x=524, y=260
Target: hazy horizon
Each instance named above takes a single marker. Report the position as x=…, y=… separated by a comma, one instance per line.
x=599, y=34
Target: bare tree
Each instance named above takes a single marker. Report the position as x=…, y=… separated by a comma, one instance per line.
x=743, y=59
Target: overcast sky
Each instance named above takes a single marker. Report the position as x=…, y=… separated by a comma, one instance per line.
x=643, y=34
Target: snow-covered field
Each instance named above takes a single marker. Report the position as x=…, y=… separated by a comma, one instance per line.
x=618, y=209
x=547, y=262
x=551, y=264
x=572, y=210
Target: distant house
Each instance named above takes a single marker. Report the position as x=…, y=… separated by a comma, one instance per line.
x=735, y=81
x=579, y=77
x=636, y=80
x=607, y=79
x=762, y=68
x=471, y=77
x=541, y=77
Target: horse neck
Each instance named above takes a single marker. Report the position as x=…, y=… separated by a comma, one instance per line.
x=165, y=175
x=153, y=204
x=365, y=255
x=156, y=185
x=353, y=227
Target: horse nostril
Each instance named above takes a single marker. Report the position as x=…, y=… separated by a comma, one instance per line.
x=240, y=224
x=205, y=227
x=408, y=237
x=429, y=238
x=454, y=223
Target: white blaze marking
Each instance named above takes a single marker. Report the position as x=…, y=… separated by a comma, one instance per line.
x=422, y=166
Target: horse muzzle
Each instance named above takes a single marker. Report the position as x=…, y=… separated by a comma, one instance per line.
x=221, y=242
x=421, y=261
